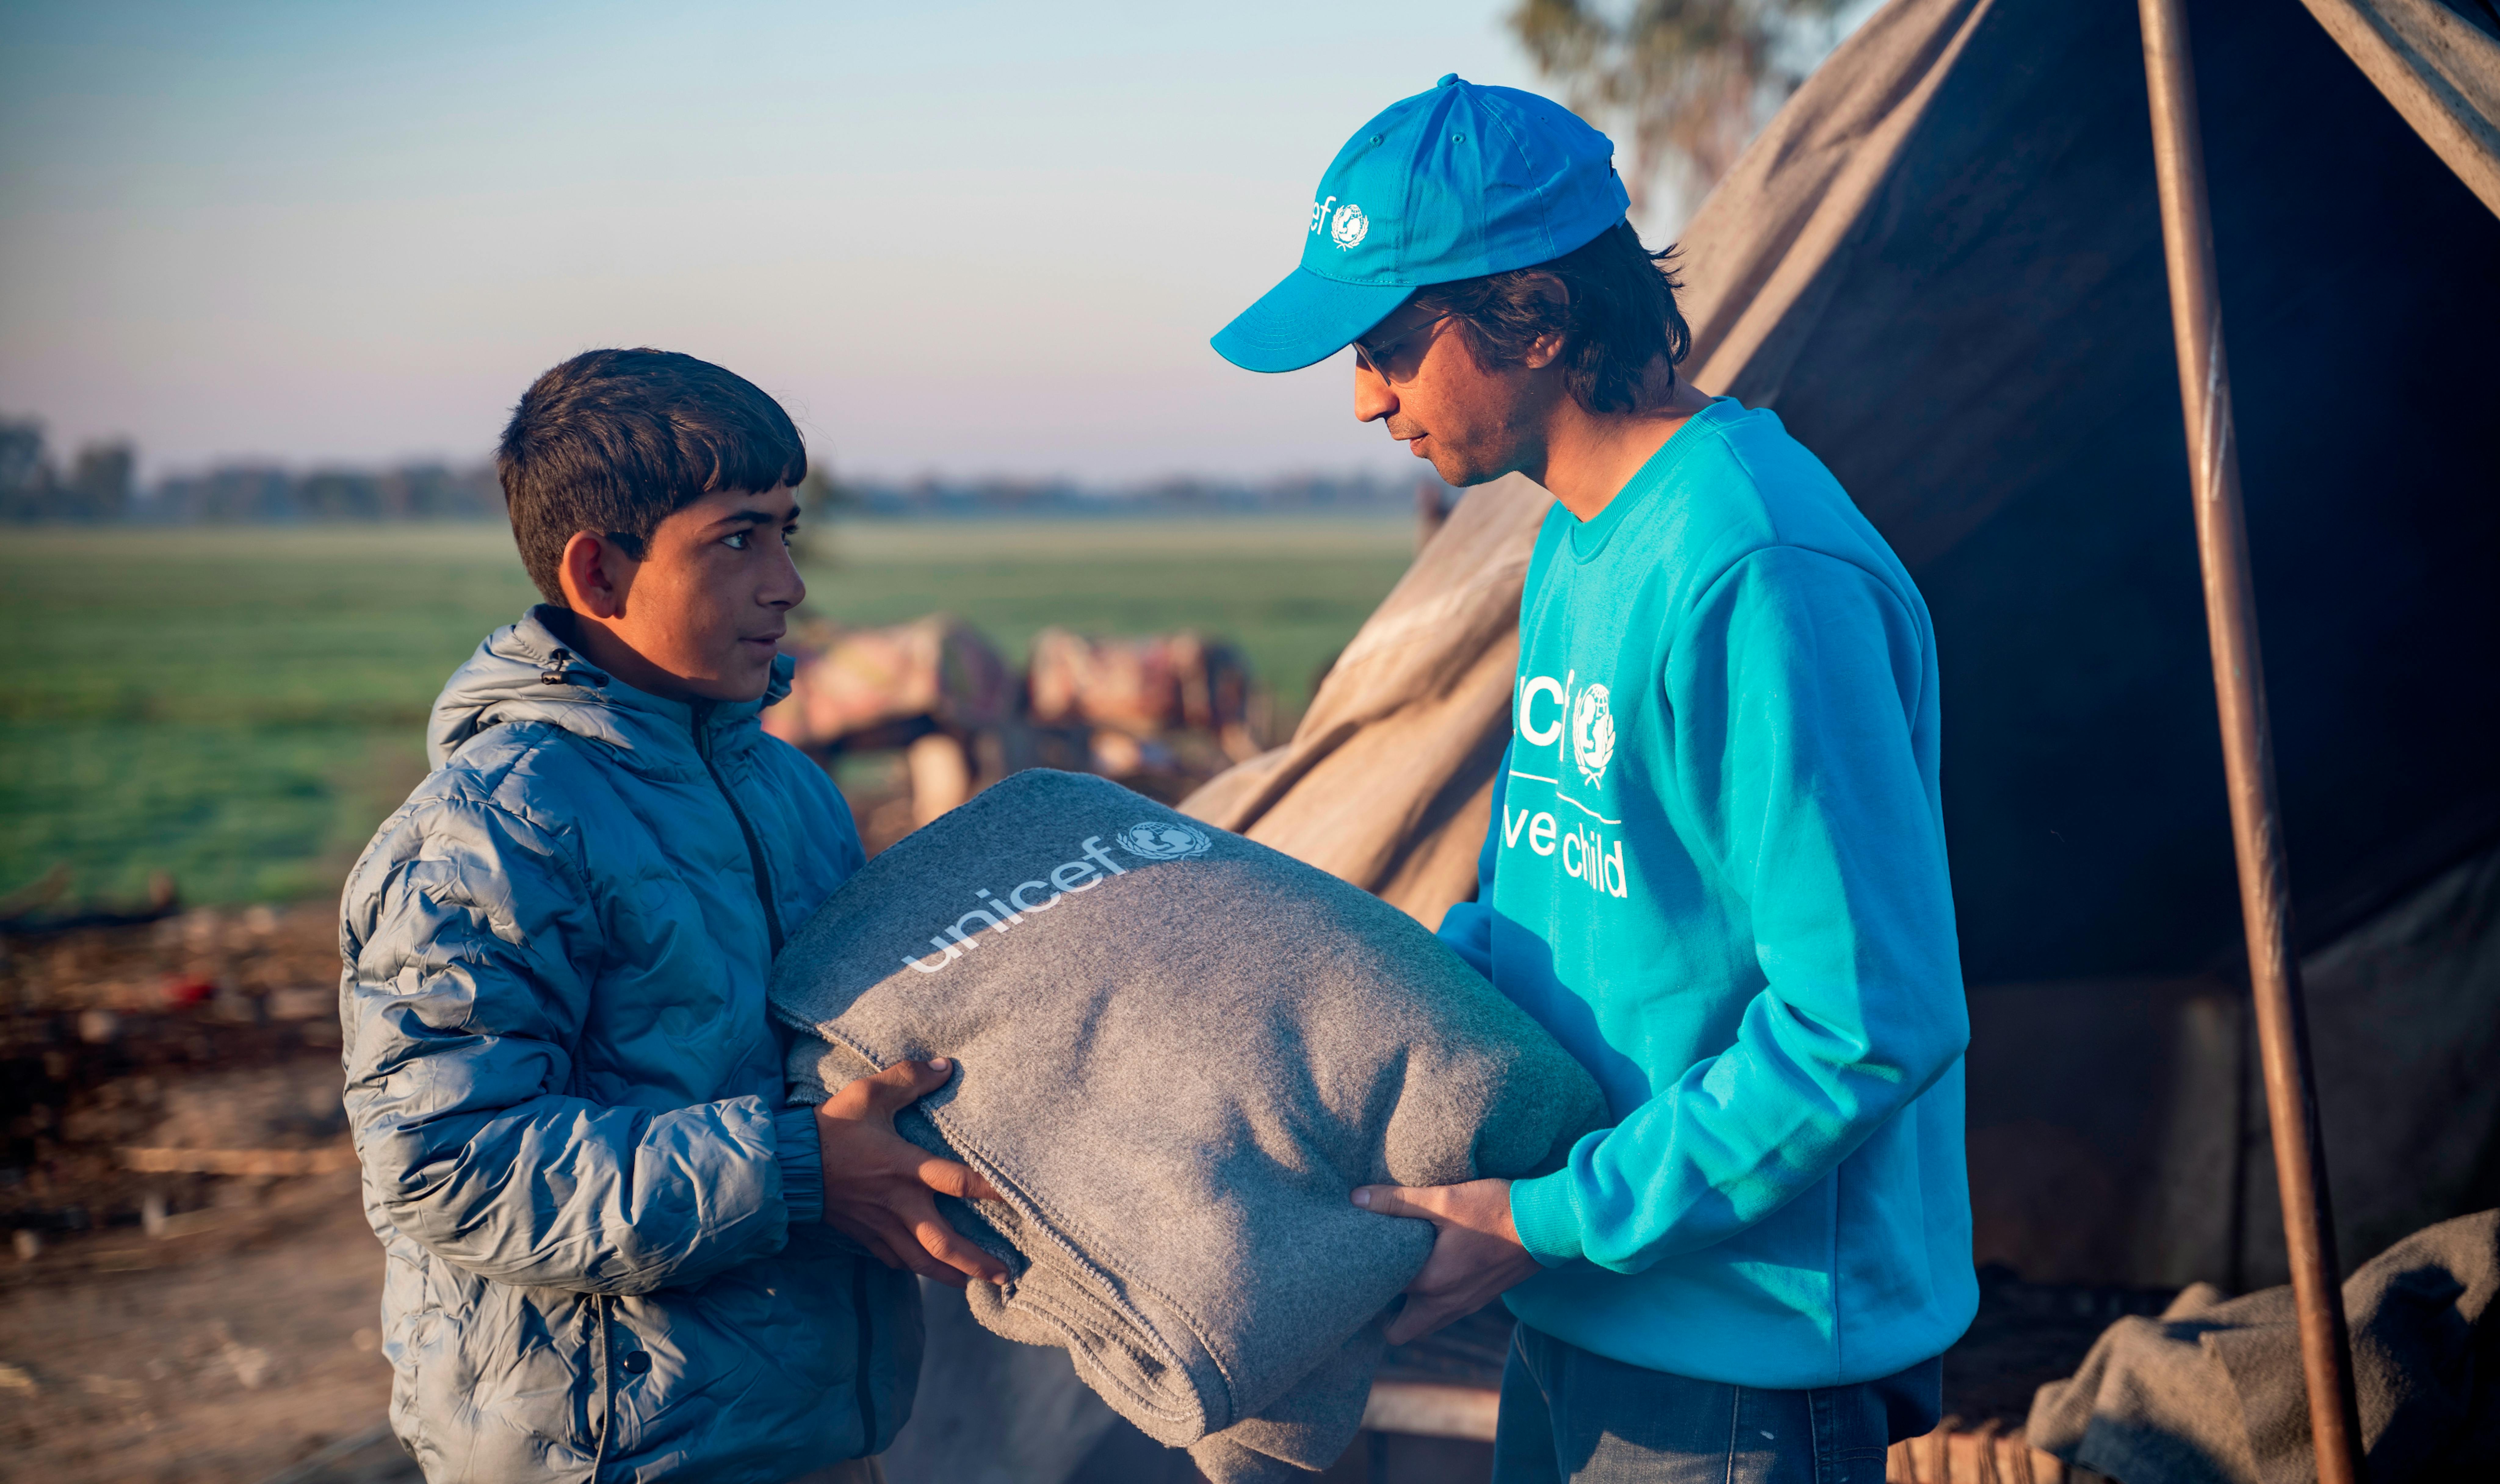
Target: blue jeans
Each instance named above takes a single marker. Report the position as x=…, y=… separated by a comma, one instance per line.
x=1567, y=1414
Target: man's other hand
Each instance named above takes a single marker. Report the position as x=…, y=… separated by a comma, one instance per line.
x=1476, y=1250
x=881, y=1189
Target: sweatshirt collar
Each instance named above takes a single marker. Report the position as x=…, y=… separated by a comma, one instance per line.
x=1589, y=537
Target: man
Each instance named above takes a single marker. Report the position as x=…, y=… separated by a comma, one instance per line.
x=1716, y=868
x=615, y=1249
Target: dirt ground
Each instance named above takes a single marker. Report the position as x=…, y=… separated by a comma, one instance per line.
x=159, y=1319
x=238, y=1344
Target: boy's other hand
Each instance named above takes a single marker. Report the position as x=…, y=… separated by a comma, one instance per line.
x=1476, y=1252
x=881, y=1189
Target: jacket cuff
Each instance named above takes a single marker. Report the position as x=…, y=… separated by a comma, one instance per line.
x=802, y=1156
x=1548, y=1226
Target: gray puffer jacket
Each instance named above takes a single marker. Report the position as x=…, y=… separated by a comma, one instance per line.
x=604, y=1253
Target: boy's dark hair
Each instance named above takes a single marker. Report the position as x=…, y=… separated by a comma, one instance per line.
x=1618, y=316
x=613, y=442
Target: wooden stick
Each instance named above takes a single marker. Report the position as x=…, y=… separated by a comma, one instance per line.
x=2248, y=747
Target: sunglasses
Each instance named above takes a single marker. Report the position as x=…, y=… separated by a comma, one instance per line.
x=1375, y=358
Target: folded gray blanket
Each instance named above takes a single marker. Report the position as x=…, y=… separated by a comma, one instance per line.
x=1179, y=1050
x=2212, y=1392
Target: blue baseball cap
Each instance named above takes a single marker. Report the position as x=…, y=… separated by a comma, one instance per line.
x=1453, y=184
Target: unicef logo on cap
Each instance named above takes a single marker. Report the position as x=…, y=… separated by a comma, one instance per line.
x=1347, y=226
x=1527, y=176
x=1165, y=840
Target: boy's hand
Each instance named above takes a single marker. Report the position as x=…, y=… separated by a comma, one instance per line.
x=878, y=1185
x=1476, y=1252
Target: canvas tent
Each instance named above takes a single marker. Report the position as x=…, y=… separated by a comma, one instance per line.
x=1942, y=266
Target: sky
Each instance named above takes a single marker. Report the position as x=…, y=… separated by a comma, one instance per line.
x=953, y=239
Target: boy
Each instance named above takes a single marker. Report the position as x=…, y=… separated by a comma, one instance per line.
x=1716, y=868
x=612, y=1251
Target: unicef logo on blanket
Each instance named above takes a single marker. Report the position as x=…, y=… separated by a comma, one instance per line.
x=1165, y=840
x=1593, y=733
x=1347, y=226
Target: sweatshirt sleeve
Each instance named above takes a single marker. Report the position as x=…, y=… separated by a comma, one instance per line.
x=473, y=938
x=1794, y=684
x=1468, y=926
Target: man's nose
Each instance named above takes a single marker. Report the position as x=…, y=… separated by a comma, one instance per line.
x=1372, y=398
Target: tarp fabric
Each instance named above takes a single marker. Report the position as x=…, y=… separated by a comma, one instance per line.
x=850, y=681
x=1388, y=781
x=1142, y=686
x=2212, y=1392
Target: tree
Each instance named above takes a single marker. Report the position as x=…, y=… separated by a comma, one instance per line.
x=26, y=477
x=98, y=489
x=1690, y=80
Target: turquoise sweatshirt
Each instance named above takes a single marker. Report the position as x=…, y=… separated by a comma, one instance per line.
x=1716, y=872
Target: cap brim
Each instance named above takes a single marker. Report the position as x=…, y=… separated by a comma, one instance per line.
x=1304, y=320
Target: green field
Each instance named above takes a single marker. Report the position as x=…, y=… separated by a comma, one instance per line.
x=239, y=706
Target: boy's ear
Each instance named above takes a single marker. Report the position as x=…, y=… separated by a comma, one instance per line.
x=597, y=575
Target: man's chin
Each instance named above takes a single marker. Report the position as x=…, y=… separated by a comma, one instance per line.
x=1456, y=472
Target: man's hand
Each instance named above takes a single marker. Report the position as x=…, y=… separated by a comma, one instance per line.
x=878, y=1185
x=1476, y=1250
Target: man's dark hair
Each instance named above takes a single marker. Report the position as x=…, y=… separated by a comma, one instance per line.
x=613, y=442
x=1617, y=315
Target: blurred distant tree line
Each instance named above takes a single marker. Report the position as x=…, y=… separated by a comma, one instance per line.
x=93, y=490
x=99, y=487
x=414, y=492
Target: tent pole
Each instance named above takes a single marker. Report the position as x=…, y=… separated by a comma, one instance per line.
x=2247, y=746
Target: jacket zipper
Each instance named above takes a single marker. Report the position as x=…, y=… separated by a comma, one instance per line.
x=754, y=845
x=860, y=1385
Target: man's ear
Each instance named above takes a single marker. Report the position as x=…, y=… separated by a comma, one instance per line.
x=597, y=575
x=1546, y=348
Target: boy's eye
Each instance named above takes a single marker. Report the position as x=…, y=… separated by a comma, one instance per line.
x=736, y=542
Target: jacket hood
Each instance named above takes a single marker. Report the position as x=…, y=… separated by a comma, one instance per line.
x=530, y=672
